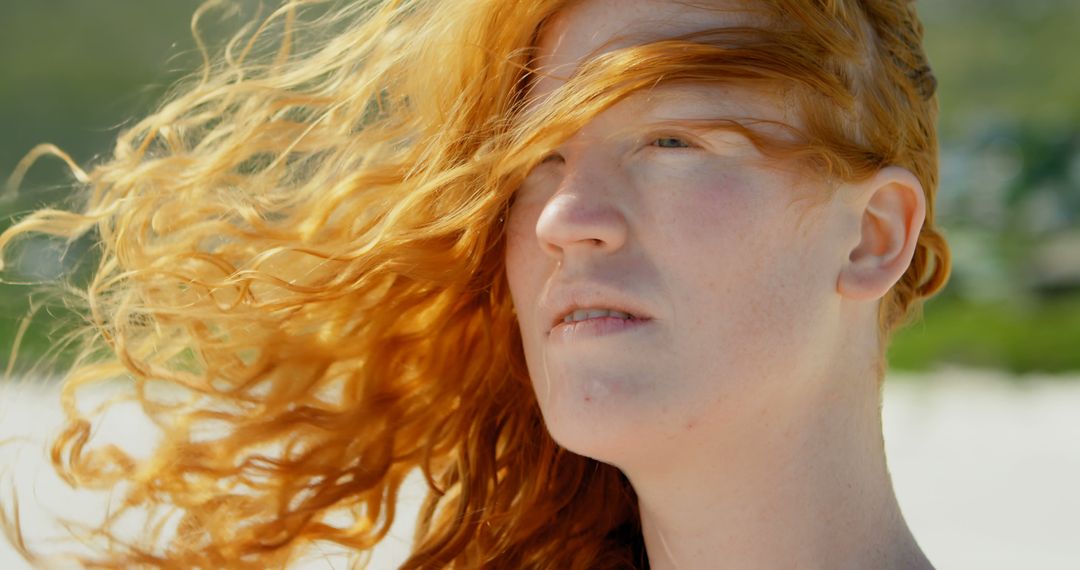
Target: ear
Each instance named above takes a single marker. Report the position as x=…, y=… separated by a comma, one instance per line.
x=892, y=207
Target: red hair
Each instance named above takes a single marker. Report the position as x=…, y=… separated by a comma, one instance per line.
x=301, y=275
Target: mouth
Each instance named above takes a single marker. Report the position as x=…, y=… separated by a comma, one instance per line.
x=594, y=322
x=592, y=306
x=578, y=315
x=581, y=318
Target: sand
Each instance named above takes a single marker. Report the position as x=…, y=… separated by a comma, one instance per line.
x=986, y=468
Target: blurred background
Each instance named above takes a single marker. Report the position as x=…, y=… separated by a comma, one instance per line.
x=983, y=405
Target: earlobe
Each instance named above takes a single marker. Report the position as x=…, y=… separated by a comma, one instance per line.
x=892, y=208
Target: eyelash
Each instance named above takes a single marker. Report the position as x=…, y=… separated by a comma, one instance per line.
x=654, y=142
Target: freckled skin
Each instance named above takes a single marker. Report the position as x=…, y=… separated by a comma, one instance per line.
x=744, y=411
x=706, y=238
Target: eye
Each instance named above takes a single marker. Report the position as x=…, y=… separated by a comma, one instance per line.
x=670, y=142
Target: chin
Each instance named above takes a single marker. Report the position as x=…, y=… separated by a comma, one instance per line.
x=605, y=417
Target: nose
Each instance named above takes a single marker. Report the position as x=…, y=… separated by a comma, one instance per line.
x=582, y=215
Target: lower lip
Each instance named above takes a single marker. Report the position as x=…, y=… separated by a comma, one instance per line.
x=600, y=326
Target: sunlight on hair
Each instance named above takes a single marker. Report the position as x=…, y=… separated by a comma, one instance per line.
x=301, y=275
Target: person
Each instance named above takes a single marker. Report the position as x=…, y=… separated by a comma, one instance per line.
x=617, y=276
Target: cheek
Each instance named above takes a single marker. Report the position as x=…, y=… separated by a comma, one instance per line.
x=712, y=233
x=524, y=258
x=527, y=267
x=748, y=269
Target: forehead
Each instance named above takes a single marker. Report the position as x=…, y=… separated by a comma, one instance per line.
x=588, y=28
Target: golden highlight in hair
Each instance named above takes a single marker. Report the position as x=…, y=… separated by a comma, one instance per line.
x=301, y=272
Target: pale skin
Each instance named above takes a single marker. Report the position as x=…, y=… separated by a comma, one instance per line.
x=741, y=400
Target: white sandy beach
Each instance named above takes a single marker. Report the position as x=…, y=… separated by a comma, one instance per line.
x=987, y=469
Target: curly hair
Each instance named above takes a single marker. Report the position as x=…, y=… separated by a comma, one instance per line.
x=301, y=276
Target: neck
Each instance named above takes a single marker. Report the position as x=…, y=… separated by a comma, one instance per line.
x=800, y=483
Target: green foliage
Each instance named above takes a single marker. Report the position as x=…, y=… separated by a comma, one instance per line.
x=1019, y=336
x=47, y=343
x=74, y=72
x=1003, y=61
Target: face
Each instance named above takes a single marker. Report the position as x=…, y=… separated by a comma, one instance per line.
x=667, y=280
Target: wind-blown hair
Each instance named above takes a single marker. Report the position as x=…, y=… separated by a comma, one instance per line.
x=301, y=273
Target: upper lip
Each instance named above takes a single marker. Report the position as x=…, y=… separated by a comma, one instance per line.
x=565, y=300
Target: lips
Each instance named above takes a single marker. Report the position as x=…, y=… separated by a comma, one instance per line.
x=585, y=314
x=582, y=304
x=585, y=325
